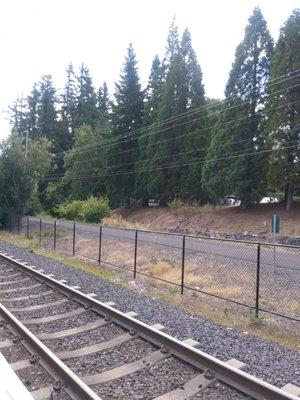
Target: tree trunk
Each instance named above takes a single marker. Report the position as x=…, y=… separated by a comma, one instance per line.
x=289, y=200
x=286, y=190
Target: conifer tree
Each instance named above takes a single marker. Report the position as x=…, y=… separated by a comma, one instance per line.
x=153, y=94
x=183, y=90
x=85, y=163
x=234, y=164
x=103, y=99
x=195, y=140
x=69, y=106
x=33, y=101
x=47, y=113
x=87, y=100
x=283, y=109
x=126, y=118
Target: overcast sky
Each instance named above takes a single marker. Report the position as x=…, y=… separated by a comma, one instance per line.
x=40, y=37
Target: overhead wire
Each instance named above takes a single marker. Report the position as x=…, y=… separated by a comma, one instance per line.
x=182, y=115
x=175, y=138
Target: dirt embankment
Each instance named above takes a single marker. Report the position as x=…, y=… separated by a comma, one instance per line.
x=218, y=221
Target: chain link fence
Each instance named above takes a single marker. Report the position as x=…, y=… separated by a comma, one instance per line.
x=262, y=276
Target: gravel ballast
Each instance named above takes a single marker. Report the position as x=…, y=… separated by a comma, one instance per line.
x=265, y=359
x=149, y=382
x=73, y=342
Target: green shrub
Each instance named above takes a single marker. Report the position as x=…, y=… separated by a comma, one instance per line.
x=95, y=209
x=175, y=204
x=71, y=210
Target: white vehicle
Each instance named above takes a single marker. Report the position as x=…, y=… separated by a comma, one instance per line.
x=153, y=203
x=267, y=200
x=232, y=200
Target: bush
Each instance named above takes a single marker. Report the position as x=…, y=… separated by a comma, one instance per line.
x=175, y=204
x=71, y=210
x=95, y=209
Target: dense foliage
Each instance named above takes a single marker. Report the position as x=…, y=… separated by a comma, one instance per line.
x=169, y=141
x=92, y=209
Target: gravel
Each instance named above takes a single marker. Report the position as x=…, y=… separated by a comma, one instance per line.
x=264, y=359
x=108, y=359
x=5, y=334
x=217, y=391
x=35, y=301
x=149, y=382
x=34, y=377
x=20, y=284
x=47, y=311
x=15, y=353
x=60, y=325
x=23, y=292
x=73, y=342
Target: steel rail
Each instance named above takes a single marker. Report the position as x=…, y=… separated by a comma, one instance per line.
x=74, y=385
x=238, y=379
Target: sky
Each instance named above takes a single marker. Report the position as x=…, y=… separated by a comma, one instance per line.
x=39, y=37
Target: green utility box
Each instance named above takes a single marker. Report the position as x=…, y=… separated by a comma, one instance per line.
x=275, y=223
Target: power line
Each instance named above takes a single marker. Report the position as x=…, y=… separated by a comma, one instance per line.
x=129, y=172
x=187, y=113
x=173, y=138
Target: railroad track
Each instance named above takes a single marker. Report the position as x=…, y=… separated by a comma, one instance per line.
x=64, y=344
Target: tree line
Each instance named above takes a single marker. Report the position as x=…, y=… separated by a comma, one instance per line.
x=167, y=141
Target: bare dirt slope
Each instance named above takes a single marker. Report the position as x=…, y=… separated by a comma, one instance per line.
x=219, y=220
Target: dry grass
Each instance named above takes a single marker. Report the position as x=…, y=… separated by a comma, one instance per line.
x=193, y=209
x=166, y=271
x=117, y=221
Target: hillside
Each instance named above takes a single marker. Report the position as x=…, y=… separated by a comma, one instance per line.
x=220, y=220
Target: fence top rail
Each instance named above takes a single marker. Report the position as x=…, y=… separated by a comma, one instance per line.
x=250, y=242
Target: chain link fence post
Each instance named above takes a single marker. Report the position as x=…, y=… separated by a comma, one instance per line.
x=54, y=235
x=74, y=238
x=40, y=236
x=27, y=228
x=257, y=280
x=182, y=264
x=100, y=244
x=135, y=253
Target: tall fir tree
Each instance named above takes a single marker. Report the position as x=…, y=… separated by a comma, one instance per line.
x=103, y=99
x=47, y=113
x=153, y=94
x=69, y=107
x=171, y=138
x=127, y=114
x=234, y=162
x=33, y=101
x=195, y=141
x=163, y=144
x=283, y=109
x=87, y=112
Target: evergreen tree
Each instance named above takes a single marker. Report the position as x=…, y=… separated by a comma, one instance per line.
x=153, y=94
x=240, y=130
x=18, y=117
x=195, y=141
x=172, y=138
x=126, y=118
x=47, y=114
x=283, y=127
x=69, y=106
x=33, y=101
x=87, y=100
x=85, y=163
x=103, y=99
